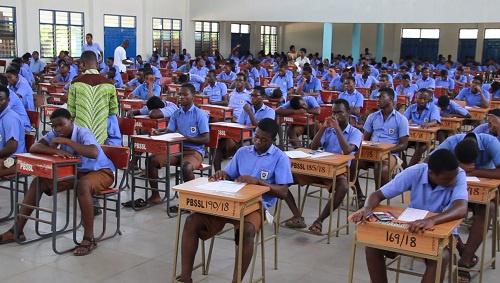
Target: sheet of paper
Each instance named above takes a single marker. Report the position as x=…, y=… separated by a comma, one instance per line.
x=167, y=136
x=412, y=214
x=321, y=154
x=472, y=179
x=222, y=186
x=296, y=154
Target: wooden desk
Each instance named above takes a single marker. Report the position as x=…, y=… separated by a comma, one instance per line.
x=403, y=99
x=495, y=104
x=173, y=88
x=121, y=93
x=216, y=111
x=46, y=79
x=132, y=104
x=271, y=103
x=369, y=104
x=50, y=167
x=48, y=109
x=328, y=167
x=172, y=147
x=201, y=99
x=439, y=90
x=222, y=204
x=143, y=122
x=233, y=131
x=419, y=134
x=57, y=97
x=376, y=152
x=326, y=111
x=48, y=88
x=451, y=124
x=296, y=119
x=365, y=91
x=478, y=114
x=395, y=238
x=482, y=193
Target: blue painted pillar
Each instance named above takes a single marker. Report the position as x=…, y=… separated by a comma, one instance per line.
x=380, y=42
x=327, y=40
x=356, y=38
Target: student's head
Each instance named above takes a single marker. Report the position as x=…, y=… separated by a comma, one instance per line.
x=403, y=69
x=12, y=76
x=265, y=134
x=443, y=168
x=467, y=150
x=383, y=80
x=183, y=78
x=292, y=48
x=125, y=44
x=3, y=80
x=476, y=83
x=35, y=55
x=241, y=79
x=148, y=76
x=349, y=83
x=199, y=62
x=494, y=86
x=154, y=57
x=307, y=72
x=154, y=105
x=211, y=77
x=26, y=58
x=276, y=94
x=444, y=74
x=367, y=70
x=341, y=110
x=4, y=98
x=443, y=102
x=257, y=95
x=228, y=68
x=459, y=72
x=186, y=93
x=62, y=123
x=139, y=59
x=302, y=52
x=423, y=97
x=88, y=60
x=110, y=61
x=89, y=38
x=493, y=130
x=111, y=72
x=345, y=73
x=184, y=51
x=64, y=69
x=405, y=80
x=385, y=97
x=297, y=103
x=282, y=70
x=425, y=72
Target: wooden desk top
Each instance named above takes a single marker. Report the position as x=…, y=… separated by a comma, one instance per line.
x=247, y=193
x=44, y=158
x=232, y=125
x=133, y=100
x=429, y=130
x=477, y=109
x=333, y=159
x=215, y=106
x=484, y=182
x=158, y=138
x=146, y=117
x=379, y=146
x=452, y=119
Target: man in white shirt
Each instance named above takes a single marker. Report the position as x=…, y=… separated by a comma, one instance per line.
x=302, y=59
x=121, y=56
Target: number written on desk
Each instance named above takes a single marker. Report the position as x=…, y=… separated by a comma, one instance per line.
x=308, y=167
x=473, y=191
x=222, y=133
x=209, y=204
x=25, y=166
x=401, y=239
x=138, y=124
x=288, y=119
x=127, y=106
x=140, y=146
x=417, y=135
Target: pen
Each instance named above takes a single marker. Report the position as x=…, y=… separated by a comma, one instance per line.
x=392, y=214
x=367, y=217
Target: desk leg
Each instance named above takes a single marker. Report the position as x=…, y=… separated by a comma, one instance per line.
x=334, y=187
x=240, y=244
x=353, y=256
x=262, y=242
x=176, y=251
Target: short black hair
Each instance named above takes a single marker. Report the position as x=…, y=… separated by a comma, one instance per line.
x=112, y=69
x=425, y=90
x=424, y=68
x=495, y=86
x=295, y=102
x=3, y=80
x=467, y=151
x=148, y=72
x=276, y=93
x=88, y=57
x=444, y=72
x=270, y=126
x=154, y=102
x=350, y=78
x=303, y=50
x=89, y=34
x=212, y=71
x=12, y=71
x=242, y=75
x=191, y=88
x=261, y=90
x=307, y=69
x=383, y=76
x=479, y=78
x=442, y=160
x=444, y=100
x=5, y=89
x=405, y=77
x=495, y=112
x=61, y=112
x=183, y=78
x=344, y=102
x=365, y=67
x=388, y=90
x=111, y=58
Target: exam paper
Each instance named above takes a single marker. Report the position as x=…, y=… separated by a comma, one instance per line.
x=412, y=214
x=222, y=186
x=167, y=136
x=296, y=154
x=472, y=179
x=321, y=154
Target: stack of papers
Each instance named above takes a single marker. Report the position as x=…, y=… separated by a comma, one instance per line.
x=222, y=186
x=167, y=136
x=297, y=154
x=321, y=154
x=472, y=179
x=412, y=214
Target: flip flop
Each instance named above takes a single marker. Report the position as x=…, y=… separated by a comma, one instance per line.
x=3, y=242
x=295, y=222
x=137, y=203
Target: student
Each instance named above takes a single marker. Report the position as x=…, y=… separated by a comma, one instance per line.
x=192, y=123
x=37, y=66
x=216, y=90
x=199, y=68
x=283, y=81
x=156, y=72
x=137, y=81
x=193, y=79
x=385, y=125
x=186, y=55
x=147, y=89
x=407, y=88
x=95, y=173
x=72, y=65
x=24, y=68
x=110, y=62
x=275, y=95
x=64, y=76
x=425, y=114
x=239, y=97
x=302, y=59
x=459, y=78
x=475, y=95
x=493, y=125
x=171, y=64
x=426, y=81
x=299, y=105
x=310, y=85
x=385, y=71
x=139, y=63
x=154, y=60
x=354, y=97
x=174, y=55
x=227, y=76
x=383, y=82
x=92, y=46
x=494, y=90
x=337, y=84
x=21, y=88
x=16, y=105
x=446, y=82
x=478, y=155
x=261, y=164
x=338, y=136
x=155, y=108
x=403, y=70
x=437, y=186
x=449, y=108
x=365, y=79
x=12, y=135
x=261, y=71
x=114, y=77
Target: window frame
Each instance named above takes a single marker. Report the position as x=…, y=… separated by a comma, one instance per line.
x=171, y=31
x=460, y=30
x=54, y=25
x=14, y=21
x=420, y=33
x=267, y=43
x=239, y=28
x=210, y=33
x=491, y=29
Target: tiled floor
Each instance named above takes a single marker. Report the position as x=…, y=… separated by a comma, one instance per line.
x=144, y=253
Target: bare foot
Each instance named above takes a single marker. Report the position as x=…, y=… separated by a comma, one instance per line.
x=156, y=199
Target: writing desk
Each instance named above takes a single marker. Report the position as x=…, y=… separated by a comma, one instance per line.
x=121, y=93
x=393, y=236
x=376, y=152
x=234, y=131
x=48, y=88
x=173, y=88
x=328, y=167
x=143, y=122
x=201, y=99
x=494, y=104
x=477, y=114
x=296, y=119
x=223, y=204
x=172, y=147
x=453, y=124
x=50, y=167
x=217, y=111
x=428, y=136
x=271, y=103
x=131, y=104
x=57, y=97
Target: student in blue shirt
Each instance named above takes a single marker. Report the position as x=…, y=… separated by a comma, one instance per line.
x=216, y=90
x=154, y=60
x=174, y=55
x=459, y=78
x=114, y=133
x=16, y=105
x=425, y=114
x=192, y=123
x=110, y=62
x=322, y=71
x=240, y=96
x=492, y=127
x=337, y=84
x=407, y=88
x=139, y=63
x=147, y=89
x=95, y=173
x=494, y=90
x=24, y=68
x=114, y=77
x=403, y=70
x=261, y=71
x=227, y=76
x=426, y=81
x=475, y=95
x=310, y=85
x=37, y=66
x=72, y=66
x=92, y=46
x=366, y=80
x=385, y=125
x=155, y=71
x=284, y=82
x=449, y=108
x=186, y=55
x=296, y=106
x=260, y=164
x=171, y=64
x=199, y=68
x=21, y=88
x=354, y=97
x=193, y=79
x=135, y=82
x=439, y=187
x=383, y=82
x=12, y=135
x=338, y=136
x=63, y=77
x=446, y=82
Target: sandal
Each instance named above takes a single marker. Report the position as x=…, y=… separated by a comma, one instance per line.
x=136, y=203
x=295, y=222
x=178, y=279
x=463, y=274
x=90, y=247
x=316, y=228
x=20, y=238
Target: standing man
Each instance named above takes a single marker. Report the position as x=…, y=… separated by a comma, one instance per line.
x=94, y=47
x=121, y=56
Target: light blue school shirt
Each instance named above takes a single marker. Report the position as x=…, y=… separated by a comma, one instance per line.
x=484, y=129
x=310, y=101
x=69, y=77
x=167, y=111
x=191, y=123
x=355, y=99
x=17, y=106
x=453, y=108
x=472, y=99
x=391, y=130
x=133, y=83
x=106, y=69
x=374, y=94
x=449, y=83
x=313, y=85
x=200, y=72
x=370, y=81
x=428, y=83
x=37, y=66
x=224, y=76
x=22, y=87
x=114, y=133
x=410, y=90
x=11, y=127
x=430, y=112
x=336, y=84
x=285, y=83
x=142, y=91
x=196, y=81
x=119, y=80
x=93, y=47
x=330, y=141
x=216, y=92
x=264, y=112
x=237, y=100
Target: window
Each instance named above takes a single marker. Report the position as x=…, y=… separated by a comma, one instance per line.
x=8, y=46
x=167, y=35
x=467, y=34
x=491, y=33
x=61, y=31
x=420, y=33
x=206, y=37
x=269, y=39
x=240, y=28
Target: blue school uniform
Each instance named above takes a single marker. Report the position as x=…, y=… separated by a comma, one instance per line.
x=264, y=112
x=355, y=99
x=114, y=133
x=237, y=100
x=390, y=130
x=11, y=127
x=431, y=112
x=484, y=129
x=167, y=110
x=472, y=99
x=142, y=91
x=191, y=123
x=216, y=92
x=330, y=141
x=26, y=92
x=17, y=106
